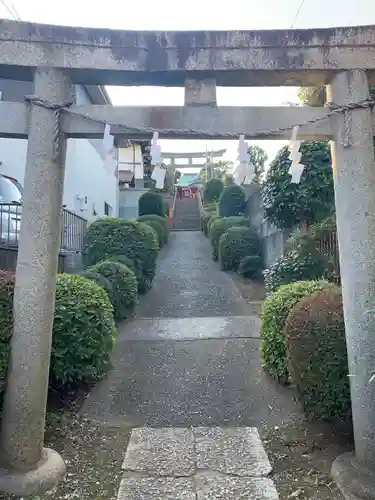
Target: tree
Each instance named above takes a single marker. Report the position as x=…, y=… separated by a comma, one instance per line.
x=177, y=175
x=258, y=158
x=312, y=96
x=287, y=204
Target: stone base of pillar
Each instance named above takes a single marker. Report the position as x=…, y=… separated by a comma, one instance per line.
x=44, y=477
x=355, y=481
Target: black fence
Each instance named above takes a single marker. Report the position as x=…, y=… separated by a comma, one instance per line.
x=73, y=228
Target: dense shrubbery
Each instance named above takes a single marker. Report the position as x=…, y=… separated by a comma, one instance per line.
x=133, y=264
x=124, y=286
x=160, y=224
x=99, y=279
x=136, y=240
x=212, y=190
x=293, y=267
x=315, y=338
x=151, y=203
x=210, y=222
x=232, y=201
x=274, y=314
x=235, y=244
x=219, y=226
x=83, y=331
x=6, y=321
x=250, y=267
x=288, y=204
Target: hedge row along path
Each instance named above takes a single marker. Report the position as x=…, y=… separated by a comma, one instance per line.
x=186, y=378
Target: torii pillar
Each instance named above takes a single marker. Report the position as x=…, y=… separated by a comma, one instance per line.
x=26, y=467
x=354, y=177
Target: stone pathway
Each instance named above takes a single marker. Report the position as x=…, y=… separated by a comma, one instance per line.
x=186, y=378
x=200, y=463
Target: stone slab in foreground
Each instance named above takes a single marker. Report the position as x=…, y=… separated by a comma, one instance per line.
x=200, y=463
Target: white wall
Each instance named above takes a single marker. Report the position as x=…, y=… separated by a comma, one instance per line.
x=84, y=171
x=131, y=158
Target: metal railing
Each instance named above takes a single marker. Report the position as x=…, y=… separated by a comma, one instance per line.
x=73, y=227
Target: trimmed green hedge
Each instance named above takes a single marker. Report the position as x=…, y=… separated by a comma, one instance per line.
x=124, y=286
x=211, y=220
x=212, y=190
x=83, y=331
x=232, y=201
x=220, y=226
x=235, y=244
x=315, y=338
x=250, y=267
x=274, y=314
x=160, y=221
x=133, y=239
x=99, y=279
x=293, y=267
x=151, y=203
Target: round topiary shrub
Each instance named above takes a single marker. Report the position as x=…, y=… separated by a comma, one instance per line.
x=99, y=279
x=250, y=267
x=293, y=267
x=315, y=338
x=151, y=203
x=211, y=220
x=274, y=314
x=83, y=331
x=212, y=190
x=235, y=244
x=232, y=201
x=219, y=226
x=132, y=264
x=161, y=221
x=7, y=282
x=212, y=208
x=124, y=286
x=205, y=218
x=133, y=239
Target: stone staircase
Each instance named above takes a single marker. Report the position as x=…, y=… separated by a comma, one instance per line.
x=186, y=215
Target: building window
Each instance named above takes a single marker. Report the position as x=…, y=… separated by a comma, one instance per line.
x=107, y=209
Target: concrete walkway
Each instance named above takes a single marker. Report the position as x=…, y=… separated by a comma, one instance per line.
x=190, y=358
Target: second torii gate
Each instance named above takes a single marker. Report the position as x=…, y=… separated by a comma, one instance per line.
x=55, y=57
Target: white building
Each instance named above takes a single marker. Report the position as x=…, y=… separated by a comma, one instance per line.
x=89, y=190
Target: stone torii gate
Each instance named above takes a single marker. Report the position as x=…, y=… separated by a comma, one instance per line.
x=206, y=157
x=54, y=57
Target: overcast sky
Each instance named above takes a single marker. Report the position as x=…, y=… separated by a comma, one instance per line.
x=199, y=15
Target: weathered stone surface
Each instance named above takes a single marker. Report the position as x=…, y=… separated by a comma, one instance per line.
x=23, y=418
x=354, y=177
x=192, y=328
x=152, y=488
x=231, y=450
x=162, y=452
x=222, y=487
x=102, y=56
x=226, y=122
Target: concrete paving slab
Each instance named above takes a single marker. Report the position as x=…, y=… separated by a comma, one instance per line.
x=236, y=451
x=161, y=452
x=190, y=328
x=157, y=488
x=221, y=487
